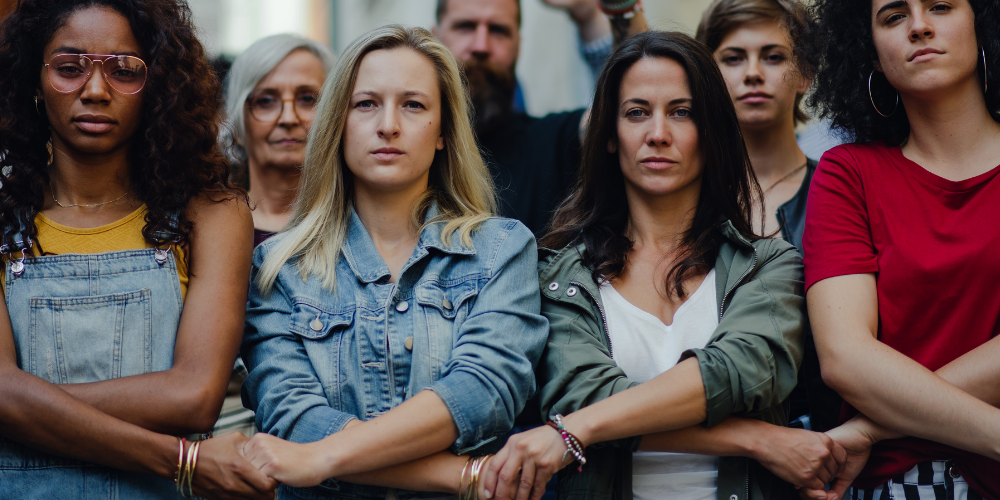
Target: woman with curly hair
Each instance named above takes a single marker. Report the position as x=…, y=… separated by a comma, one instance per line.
x=900, y=244
x=126, y=254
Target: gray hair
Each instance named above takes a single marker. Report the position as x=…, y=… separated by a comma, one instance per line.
x=252, y=66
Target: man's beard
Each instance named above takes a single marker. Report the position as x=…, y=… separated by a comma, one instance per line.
x=492, y=90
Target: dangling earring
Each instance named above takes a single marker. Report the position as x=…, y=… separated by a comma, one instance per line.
x=873, y=98
x=37, y=100
x=986, y=84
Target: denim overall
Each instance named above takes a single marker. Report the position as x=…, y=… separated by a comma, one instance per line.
x=84, y=318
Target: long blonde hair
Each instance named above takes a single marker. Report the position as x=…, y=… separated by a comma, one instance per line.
x=459, y=181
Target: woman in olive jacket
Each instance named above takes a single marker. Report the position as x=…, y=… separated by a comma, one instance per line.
x=675, y=331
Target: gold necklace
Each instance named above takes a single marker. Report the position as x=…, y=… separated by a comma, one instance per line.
x=785, y=178
x=52, y=189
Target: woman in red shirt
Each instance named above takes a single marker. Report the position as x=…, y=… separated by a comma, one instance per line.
x=901, y=227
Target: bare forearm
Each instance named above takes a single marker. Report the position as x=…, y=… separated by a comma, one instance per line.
x=977, y=372
x=589, y=20
x=623, y=28
x=419, y=427
x=734, y=437
x=673, y=400
x=885, y=385
x=160, y=401
x=438, y=473
x=41, y=415
x=911, y=400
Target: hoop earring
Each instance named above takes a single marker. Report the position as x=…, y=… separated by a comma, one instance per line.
x=873, y=99
x=986, y=83
x=37, y=100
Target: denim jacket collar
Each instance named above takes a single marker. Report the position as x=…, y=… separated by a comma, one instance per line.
x=360, y=243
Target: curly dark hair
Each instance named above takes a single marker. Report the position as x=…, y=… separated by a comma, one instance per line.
x=597, y=211
x=173, y=157
x=847, y=54
x=725, y=16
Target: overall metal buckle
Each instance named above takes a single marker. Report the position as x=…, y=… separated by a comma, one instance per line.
x=17, y=267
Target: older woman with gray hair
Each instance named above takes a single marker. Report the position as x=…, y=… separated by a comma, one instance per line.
x=271, y=95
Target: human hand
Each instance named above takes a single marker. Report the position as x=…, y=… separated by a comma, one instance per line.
x=803, y=458
x=579, y=10
x=528, y=459
x=856, y=436
x=297, y=465
x=223, y=473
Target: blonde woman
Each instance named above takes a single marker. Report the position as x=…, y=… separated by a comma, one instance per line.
x=394, y=318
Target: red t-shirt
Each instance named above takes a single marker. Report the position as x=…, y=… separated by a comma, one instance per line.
x=934, y=247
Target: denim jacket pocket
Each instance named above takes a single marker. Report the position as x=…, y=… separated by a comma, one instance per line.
x=444, y=310
x=447, y=300
x=313, y=323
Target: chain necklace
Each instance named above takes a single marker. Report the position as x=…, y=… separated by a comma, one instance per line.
x=786, y=177
x=53, y=190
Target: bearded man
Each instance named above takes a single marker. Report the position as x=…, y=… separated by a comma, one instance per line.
x=534, y=161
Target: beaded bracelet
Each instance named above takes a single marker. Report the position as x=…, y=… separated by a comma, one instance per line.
x=573, y=445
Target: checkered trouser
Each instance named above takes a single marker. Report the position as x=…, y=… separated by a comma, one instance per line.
x=936, y=480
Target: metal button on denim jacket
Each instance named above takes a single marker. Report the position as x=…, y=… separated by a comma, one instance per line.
x=461, y=321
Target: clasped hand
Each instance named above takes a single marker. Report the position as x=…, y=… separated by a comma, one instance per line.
x=807, y=460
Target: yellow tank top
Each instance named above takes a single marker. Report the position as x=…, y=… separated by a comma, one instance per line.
x=123, y=234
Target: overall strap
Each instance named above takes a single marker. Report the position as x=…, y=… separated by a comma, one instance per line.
x=167, y=238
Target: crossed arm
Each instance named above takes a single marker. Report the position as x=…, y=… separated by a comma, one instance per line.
x=955, y=405
x=126, y=423
x=908, y=399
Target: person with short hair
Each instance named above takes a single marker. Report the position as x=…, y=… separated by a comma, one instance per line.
x=900, y=243
x=393, y=327
x=675, y=327
x=762, y=47
x=271, y=95
x=126, y=254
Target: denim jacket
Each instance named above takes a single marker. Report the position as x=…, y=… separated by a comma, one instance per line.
x=461, y=321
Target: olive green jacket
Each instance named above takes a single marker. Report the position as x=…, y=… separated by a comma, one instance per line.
x=749, y=367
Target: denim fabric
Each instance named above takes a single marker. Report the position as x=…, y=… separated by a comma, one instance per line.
x=85, y=318
x=319, y=358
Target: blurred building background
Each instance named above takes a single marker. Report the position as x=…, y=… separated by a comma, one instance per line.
x=550, y=70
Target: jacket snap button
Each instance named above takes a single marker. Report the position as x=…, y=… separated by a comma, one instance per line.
x=316, y=325
x=571, y=291
x=734, y=497
x=953, y=473
x=402, y=306
x=408, y=343
x=446, y=304
x=553, y=286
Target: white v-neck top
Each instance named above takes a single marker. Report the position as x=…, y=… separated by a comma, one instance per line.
x=644, y=347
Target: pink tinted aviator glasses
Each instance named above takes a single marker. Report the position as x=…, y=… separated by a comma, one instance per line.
x=70, y=72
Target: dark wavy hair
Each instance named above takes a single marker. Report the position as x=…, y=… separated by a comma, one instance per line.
x=597, y=212
x=173, y=156
x=725, y=16
x=847, y=53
